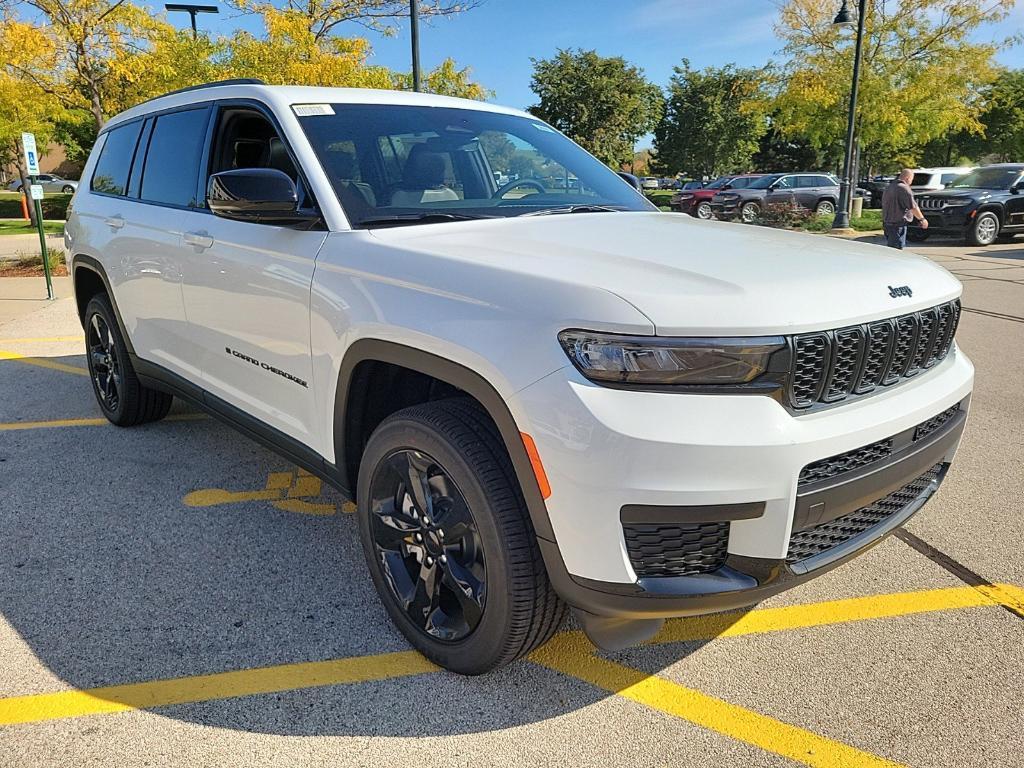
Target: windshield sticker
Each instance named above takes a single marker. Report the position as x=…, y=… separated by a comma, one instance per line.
x=310, y=110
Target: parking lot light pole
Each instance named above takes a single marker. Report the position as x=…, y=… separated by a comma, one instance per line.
x=192, y=10
x=414, y=33
x=842, y=219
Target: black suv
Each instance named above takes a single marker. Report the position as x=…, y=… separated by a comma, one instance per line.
x=979, y=206
x=815, y=191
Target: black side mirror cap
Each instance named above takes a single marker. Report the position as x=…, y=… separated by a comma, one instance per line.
x=255, y=194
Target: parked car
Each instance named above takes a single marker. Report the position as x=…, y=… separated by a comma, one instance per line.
x=815, y=191
x=669, y=184
x=531, y=411
x=872, y=190
x=50, y=182
x=649, y=182
x=934, y=179
x=698, y=202
x=632, y=180
x=691, y=185
x=980, y=206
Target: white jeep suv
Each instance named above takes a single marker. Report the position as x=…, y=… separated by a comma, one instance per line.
x=543, y=394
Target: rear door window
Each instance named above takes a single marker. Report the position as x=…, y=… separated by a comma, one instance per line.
x=175, y=151
x=115, y=160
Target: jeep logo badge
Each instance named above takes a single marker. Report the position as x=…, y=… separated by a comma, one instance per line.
x=900, y=290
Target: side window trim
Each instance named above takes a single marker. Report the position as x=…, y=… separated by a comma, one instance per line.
x=135, y=171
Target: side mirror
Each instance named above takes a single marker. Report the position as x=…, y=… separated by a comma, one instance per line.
x=1015, y=189
x=631, y=180
x=255, y=194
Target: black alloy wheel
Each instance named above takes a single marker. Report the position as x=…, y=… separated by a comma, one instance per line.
x=428, y=545
x=104, y=363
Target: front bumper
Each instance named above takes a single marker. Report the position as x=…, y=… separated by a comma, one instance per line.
x=606, y=449
x=728, y=210
x=949, y=221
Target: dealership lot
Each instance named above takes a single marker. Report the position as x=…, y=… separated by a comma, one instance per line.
x=177, y=595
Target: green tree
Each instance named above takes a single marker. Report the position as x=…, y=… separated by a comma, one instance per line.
x=1003, y=121
x=713, y=122
x=777, y=152
x=921, y=73
x=603, y=104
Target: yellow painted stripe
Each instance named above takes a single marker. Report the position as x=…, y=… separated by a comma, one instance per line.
x=832, y=612
x=41, y=707
x=571, y=656
x=42, y=362
x=16, y=425
x=222, y=685
x=40, y=339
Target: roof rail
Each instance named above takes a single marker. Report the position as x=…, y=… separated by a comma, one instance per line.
x=214, y=84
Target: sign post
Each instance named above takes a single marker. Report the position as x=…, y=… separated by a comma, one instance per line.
x=28, y=144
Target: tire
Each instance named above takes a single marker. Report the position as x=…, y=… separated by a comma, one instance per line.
x=984, y=230
x=122, y=398
x=917, y=235
x=508, y=606
x=67, y=189
x=704, y=211
x=749, y=212
x=825, y=208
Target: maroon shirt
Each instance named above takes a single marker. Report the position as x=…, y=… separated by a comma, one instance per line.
x=897, y=203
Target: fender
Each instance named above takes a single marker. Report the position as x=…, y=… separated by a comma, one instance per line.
x=461, y=378
x=81, y=261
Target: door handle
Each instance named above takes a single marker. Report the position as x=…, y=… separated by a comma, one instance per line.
x=198, y=239
x=114, y=222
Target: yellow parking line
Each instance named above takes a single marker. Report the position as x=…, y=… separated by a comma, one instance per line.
x=570, y=655
x=221, y=685
x=39, y=339
x=12, y=426
x=43, y=363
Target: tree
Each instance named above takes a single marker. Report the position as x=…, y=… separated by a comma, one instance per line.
x=776, y=152
x=1003, y=121
x=603, y=104
x=713, y=121
x=921, y=73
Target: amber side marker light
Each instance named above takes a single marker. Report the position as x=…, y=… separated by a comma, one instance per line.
x=538, y=468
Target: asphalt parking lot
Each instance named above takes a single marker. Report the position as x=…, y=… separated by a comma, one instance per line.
x=177, y=595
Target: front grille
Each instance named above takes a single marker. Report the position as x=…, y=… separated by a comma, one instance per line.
x=821, y=538
x=830, y=366
x=931, y=203
x=845, y=462
x=925, y=428
x=676, y=550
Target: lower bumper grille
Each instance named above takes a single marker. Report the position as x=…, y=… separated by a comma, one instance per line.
x=821, y=538
x=676, y=550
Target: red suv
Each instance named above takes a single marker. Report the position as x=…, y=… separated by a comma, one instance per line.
x=697, y=202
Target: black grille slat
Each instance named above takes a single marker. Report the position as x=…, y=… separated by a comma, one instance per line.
x=685, y=549
x=935, y=423
x=830, y=366
x=847, y=347
x=824, y=469
x=821, y=538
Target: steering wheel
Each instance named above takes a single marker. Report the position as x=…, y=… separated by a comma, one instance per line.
x=505, y=188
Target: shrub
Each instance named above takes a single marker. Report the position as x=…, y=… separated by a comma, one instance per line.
x=54, y=206
x=784, y=215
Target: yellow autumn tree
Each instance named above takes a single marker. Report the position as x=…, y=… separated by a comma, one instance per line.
x=921, y=73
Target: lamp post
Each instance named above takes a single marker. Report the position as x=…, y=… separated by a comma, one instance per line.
x=842, y=219
x=191, y=10
x=414, y=30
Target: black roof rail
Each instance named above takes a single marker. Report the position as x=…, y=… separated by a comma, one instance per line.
x=214, y=84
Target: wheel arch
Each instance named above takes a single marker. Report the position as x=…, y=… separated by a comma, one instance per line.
x=352, y=390
x=88, y=277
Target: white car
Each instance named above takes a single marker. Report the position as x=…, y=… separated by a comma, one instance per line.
x=934, y=179
x=539, y=397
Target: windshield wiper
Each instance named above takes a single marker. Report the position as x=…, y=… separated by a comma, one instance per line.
x=400, y=219
x=582, y=208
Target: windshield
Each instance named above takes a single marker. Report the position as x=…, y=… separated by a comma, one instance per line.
x=742, y=182
x=718, y=183
x=987, y=178
x=764, y=181
x=400, y=163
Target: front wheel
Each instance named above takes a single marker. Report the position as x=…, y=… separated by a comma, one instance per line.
x=448, y=539
x=67, y=189
x=749, y=212
x=825, y=208
x=704, y=211
x=984, y=230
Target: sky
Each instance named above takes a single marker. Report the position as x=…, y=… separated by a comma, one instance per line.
x=499, y=37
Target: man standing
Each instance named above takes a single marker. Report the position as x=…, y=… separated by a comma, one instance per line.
x=898, y=209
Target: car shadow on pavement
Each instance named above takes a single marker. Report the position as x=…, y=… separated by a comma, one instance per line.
x=111, y=574
x=1013, y=249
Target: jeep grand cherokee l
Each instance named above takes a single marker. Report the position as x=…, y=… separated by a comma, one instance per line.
x=814, y=191
x=541, y=394
x=980, y=206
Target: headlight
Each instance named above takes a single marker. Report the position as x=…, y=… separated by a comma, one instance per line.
x=659, y=360
x=956, y=202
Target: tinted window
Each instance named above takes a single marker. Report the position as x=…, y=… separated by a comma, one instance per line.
x=921, y=180
x=764, y=181
x=993, y=177
x=742, y=182
x=111, y=174
x=823, y=181
x=172, y=162
x=806, y=181
x=948, y=177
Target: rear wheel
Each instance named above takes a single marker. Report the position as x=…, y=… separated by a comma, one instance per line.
x=122, y=398
x=448, y=539
x=704, y=211
x=984, y=230
x=825, y=208
x=67, y=189
x=749, y=212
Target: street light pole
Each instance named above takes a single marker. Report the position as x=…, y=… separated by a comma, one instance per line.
x=414, y=26
x=192, y=10
x=842, y=219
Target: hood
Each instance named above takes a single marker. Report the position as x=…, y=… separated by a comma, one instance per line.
x=698, y=277
x=964, y=192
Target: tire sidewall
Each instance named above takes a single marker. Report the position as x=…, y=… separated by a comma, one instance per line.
x=490, y=633
x=99, y=305
x=825, y=208
x=975, y=228
x=754, y=208
x=706, y=207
